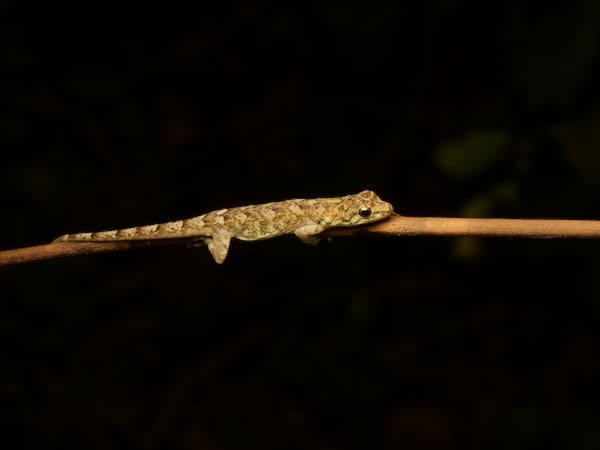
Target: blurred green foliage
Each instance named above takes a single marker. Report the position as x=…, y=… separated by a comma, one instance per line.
x=473, y=154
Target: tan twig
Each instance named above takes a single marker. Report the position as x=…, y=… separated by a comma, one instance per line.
x=396, y=225
x=62, y=249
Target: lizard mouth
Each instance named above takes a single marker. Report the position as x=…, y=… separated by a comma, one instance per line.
x=383, y=211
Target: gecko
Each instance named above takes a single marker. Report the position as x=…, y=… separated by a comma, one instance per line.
x=305, y=218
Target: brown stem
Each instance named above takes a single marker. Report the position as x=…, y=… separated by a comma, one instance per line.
x=62, y=249
x=396, y=225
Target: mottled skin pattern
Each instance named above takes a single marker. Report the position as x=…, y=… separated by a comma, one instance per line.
x=303, y=217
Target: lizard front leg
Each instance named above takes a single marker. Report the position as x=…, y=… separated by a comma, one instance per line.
x=307, y=233
x=218, y=244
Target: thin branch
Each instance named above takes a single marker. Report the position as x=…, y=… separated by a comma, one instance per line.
x=55, y=250
x=396, y=225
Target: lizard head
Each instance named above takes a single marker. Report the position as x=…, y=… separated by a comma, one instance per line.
x=364, y=207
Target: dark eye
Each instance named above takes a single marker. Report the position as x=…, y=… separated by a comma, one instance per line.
x=364, y=212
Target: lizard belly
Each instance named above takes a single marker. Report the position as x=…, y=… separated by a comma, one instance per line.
x=253, y=235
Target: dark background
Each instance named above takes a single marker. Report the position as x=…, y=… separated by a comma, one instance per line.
x=114, y=115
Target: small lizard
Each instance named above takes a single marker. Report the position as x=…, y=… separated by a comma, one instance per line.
x=305, y=218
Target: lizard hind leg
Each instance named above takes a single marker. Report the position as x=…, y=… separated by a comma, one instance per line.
x=307, y=233
x=218, y=244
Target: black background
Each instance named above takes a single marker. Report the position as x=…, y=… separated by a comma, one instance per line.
x=115, y=115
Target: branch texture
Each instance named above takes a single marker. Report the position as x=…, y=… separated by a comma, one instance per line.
x=398, y=225
x=395, y=225
x=63, y=249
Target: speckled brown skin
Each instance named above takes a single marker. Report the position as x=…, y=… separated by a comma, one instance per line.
x=303, y=217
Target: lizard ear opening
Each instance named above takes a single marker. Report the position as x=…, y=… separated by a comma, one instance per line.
x=364, y=212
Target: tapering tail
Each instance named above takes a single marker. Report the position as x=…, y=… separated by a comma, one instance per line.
x=168, y=230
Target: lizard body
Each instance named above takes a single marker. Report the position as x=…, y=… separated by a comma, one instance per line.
x=303, y=217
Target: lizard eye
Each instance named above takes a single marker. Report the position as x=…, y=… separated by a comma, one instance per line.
x=364, y=212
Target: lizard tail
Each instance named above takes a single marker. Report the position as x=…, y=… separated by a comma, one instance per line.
x=111, y=235
x=156, y=231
